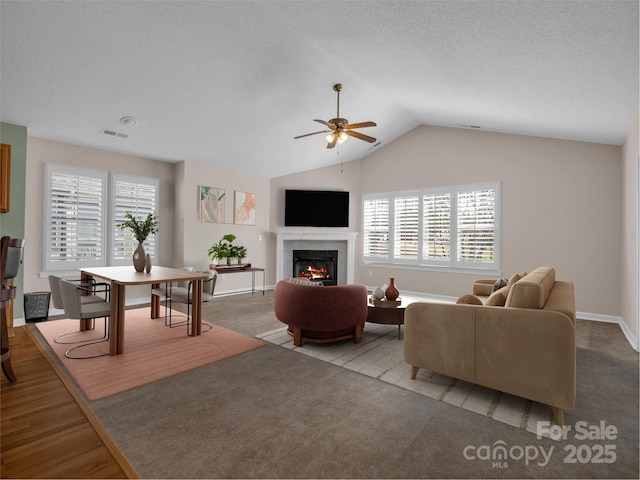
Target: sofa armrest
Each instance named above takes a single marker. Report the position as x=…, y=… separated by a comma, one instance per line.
x=439, y=337
x=483, y=287
x=526, y=352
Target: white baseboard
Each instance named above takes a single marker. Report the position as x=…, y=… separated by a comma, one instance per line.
x=596, y=317
x=17, y=322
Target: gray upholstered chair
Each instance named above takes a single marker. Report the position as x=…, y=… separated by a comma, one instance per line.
x=91, y=293
x=75, y=308
x=181, y=292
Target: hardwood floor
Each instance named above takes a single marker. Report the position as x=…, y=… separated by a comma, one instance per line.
x=47, y=429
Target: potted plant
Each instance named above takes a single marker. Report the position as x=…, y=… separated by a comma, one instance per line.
x=141, y=230
x=218, y=251
x=222, y=249
x=241, y=252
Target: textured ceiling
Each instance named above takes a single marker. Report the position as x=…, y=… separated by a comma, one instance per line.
x=231, y=83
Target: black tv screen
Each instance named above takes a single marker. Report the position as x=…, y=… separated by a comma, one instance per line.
x=316, y=208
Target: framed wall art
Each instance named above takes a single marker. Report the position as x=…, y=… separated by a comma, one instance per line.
x=244, y=210
x=212, y=204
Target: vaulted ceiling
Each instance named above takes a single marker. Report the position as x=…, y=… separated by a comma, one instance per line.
x=230, y=83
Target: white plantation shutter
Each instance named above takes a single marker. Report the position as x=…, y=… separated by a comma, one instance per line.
x=375, y=212
x=82, y=207
x=476, y=226
x=137, y=196
x=406, y=219
x=452, y=227
x=74, y=217
x=436, y=226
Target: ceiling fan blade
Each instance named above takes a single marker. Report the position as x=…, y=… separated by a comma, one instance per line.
x=314, y=133
x=360, y=125
x=330, y=125
x=361, y=136
x=333, y=142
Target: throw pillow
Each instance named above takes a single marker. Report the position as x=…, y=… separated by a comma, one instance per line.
x=501, y=282
x=513, y=279
x=469, y=300
x=305, y=281
x=498, y=298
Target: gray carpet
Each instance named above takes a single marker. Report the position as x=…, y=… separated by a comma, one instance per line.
x=273, y=413
x=380, y=355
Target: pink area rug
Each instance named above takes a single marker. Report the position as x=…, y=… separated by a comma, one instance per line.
x=152, y=352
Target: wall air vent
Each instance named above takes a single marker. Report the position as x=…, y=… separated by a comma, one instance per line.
x=113, y=133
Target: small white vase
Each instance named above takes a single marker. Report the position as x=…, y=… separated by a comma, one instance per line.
x=378, y=294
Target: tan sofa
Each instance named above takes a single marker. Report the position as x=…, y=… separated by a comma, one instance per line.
x=525, y=348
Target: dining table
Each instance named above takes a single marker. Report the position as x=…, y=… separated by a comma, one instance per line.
x=123, y=276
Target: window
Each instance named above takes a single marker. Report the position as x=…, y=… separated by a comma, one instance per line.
x=452, y=227
x=405, y=227
x=135, y=195
x=376, y=227
x=79, y=223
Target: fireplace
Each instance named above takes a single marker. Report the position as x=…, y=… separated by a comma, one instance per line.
x=316, y=265
x=343, y=242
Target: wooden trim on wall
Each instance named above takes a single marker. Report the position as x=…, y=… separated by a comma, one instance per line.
x=5, y=177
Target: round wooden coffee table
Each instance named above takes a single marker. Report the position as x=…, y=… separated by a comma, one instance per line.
x=388, y=314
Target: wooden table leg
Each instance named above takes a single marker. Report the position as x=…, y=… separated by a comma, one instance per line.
x=86, y=323
x=116, y=327
x=155, y=302
x=196, y=314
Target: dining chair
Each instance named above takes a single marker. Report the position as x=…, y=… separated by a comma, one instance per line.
x=181, y=292
x=92, y=292
x=10, y=260
x=75, y=308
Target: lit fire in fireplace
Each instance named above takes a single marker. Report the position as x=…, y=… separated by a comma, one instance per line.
x=313, y=273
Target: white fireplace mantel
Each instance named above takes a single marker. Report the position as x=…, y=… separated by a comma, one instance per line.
x=348, y=237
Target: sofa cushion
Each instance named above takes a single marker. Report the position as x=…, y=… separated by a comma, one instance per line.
x=483, y=287
x=469, y=300
x=498, y=298
x=514, y=278
x=532, y=291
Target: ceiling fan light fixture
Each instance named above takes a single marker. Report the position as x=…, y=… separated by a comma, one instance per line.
x=340, y=135
x=339, y=129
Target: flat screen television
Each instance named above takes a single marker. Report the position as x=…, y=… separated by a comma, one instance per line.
x=316, y=208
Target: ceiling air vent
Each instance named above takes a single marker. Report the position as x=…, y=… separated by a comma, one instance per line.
x=113, y=133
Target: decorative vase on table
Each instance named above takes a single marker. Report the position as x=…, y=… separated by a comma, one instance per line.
x=148, y=263
x=139, y=258
x=391, y=293
x=378, y=294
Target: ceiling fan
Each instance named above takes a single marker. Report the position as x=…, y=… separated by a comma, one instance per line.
x=340, y=129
